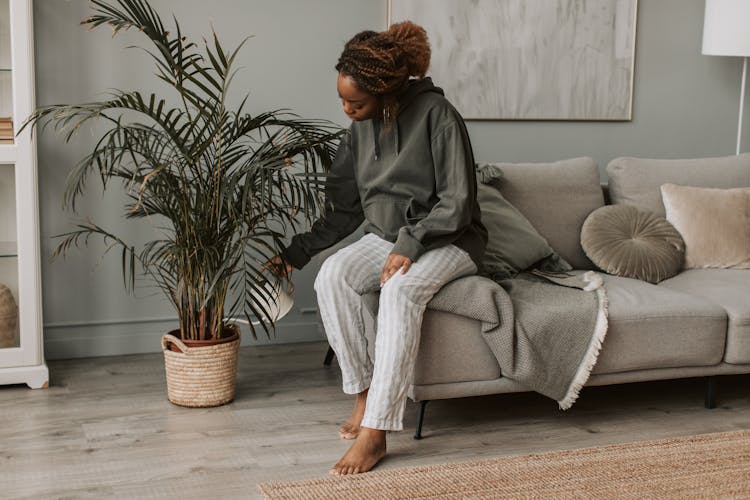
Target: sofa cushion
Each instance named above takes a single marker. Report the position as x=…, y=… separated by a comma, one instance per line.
x=637, y=181
x=513, y=244
x=556, y=198
x=452, y=349
x=653, y=326
x=630, y=242
x=729, y=289
x=715, y=224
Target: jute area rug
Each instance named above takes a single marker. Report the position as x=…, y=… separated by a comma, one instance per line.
x=703, y=466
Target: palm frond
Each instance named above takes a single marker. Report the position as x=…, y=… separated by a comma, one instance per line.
x=85, y=231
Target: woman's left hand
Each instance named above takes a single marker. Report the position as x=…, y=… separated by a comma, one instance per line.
x=393, y=263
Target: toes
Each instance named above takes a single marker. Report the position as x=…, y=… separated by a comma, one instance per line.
x=346, y=469
x=339, y=470
x=336, y=470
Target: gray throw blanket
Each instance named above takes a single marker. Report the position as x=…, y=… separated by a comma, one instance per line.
x=545, y=330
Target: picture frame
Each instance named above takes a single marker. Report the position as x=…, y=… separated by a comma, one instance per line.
x=530, y=59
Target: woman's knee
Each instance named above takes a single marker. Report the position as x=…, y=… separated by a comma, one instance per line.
x=334, y=270
x=413, y=289
x=327, y=274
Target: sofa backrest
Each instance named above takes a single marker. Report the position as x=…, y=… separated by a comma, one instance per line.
x=556, y=198
x=637, y=181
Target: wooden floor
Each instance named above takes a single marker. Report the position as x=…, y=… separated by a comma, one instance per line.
x=104, y=428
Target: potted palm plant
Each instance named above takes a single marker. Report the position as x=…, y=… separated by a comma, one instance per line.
x=220, y=186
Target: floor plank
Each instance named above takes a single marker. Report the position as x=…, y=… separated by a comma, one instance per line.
x=104, y=428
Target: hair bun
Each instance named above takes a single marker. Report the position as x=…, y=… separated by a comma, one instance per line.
x=361, y=37
x=413, y=40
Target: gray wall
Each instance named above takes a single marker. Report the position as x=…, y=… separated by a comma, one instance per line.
x=685, y=105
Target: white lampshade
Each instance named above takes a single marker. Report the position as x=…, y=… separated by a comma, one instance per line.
x=726, y=28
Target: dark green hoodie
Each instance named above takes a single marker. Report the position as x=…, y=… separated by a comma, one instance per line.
x=414, y=184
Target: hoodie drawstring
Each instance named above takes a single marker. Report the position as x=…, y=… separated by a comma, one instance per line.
x=396, y=135
x=376, y=137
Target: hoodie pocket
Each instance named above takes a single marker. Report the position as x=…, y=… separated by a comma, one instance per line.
x=387, y=214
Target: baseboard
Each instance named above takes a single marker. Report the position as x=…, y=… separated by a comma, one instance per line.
x=117, y=338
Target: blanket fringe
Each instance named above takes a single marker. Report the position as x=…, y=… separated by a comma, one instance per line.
x=593, y=282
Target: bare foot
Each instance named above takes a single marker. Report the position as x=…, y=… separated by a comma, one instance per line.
x=350, y=429
x=364, y=454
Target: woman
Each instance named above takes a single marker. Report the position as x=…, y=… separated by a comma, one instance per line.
x=406, y=169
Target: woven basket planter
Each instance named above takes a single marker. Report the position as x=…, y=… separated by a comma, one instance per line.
x=201, y=376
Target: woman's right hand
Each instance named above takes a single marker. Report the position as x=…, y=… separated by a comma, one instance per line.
x=278, y=267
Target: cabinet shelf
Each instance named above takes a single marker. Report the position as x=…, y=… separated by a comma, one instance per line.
x=8, y=249
x=8, y=154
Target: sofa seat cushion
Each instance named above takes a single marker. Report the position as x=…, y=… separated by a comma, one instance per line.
x=729, y=289
x=452, y=349
x=653, y=326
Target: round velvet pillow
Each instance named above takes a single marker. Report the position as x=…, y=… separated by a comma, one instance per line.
x=626, y=241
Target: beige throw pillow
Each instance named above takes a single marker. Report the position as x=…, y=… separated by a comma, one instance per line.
x=715, y=224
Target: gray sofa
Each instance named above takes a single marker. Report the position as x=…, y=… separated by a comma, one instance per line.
x=695, y=324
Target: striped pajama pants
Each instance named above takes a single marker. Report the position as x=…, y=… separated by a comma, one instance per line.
x=354, y=271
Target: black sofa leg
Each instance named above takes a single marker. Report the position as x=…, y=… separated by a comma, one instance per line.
x=329, y=357
x=420, y=419
x=710, y=392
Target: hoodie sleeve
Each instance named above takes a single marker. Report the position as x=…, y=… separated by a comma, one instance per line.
x=455, y=180
x=342, y=213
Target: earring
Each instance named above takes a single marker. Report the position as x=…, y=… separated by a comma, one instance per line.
x=386, y=114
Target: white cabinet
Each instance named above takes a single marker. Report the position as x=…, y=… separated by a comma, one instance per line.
x=21, y=347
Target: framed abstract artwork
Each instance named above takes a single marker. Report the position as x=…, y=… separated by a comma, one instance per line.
x=530, y=59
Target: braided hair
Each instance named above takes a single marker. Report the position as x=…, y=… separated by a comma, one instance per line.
x=381, y=63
